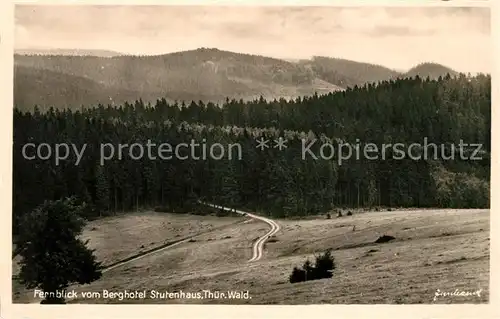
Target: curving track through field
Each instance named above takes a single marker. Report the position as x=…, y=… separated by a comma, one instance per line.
x=258, y=246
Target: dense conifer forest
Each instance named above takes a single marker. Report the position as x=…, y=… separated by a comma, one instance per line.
x=445, y=111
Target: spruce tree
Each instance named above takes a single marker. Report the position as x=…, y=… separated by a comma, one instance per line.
x=53, y=257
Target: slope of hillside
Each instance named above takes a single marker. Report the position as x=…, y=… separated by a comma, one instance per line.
x=203, y=74
x=346, y=73
x=48, y=88
x=453, y=248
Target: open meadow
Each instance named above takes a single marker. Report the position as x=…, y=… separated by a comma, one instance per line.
x=433, y=249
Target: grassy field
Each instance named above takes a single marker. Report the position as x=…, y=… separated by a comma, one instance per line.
x=433, y=249
x=118, y=237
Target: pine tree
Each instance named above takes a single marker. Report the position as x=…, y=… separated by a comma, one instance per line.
x=52, y=255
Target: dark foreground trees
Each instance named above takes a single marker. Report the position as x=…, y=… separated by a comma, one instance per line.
x=53, y=257
x=323, y=268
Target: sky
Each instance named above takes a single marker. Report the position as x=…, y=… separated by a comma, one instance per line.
x=396, y=37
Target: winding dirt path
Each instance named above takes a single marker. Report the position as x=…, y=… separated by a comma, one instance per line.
x=258, y=246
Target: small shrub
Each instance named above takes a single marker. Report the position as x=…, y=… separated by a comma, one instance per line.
x=309, y=270
x=298, y=275
x=324, y=265
x=384, y=239
x=323, y=268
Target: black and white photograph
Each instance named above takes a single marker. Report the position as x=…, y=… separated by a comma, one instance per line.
x=251, y=155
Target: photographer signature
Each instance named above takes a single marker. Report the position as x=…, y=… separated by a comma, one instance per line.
x=457, y=293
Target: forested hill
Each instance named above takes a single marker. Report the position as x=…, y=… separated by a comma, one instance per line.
x=202, y=74
x=46, y=88
x=190, y=75
x=275, y=182
x=431, y=70
x=346, y=73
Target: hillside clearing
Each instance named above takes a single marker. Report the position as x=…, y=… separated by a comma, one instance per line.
x=118, y=237
x=448, y=248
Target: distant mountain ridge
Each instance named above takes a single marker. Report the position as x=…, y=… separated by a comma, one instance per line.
x=77, y=52
x=206, y=74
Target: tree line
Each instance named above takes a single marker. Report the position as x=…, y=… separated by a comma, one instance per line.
x=281, y=183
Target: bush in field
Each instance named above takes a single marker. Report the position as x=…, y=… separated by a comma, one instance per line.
x=309, y=270
x=298, y=275
x=323, y=268
x=324, y=265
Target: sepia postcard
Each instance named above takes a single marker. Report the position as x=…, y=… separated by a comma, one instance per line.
x=244, y=155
